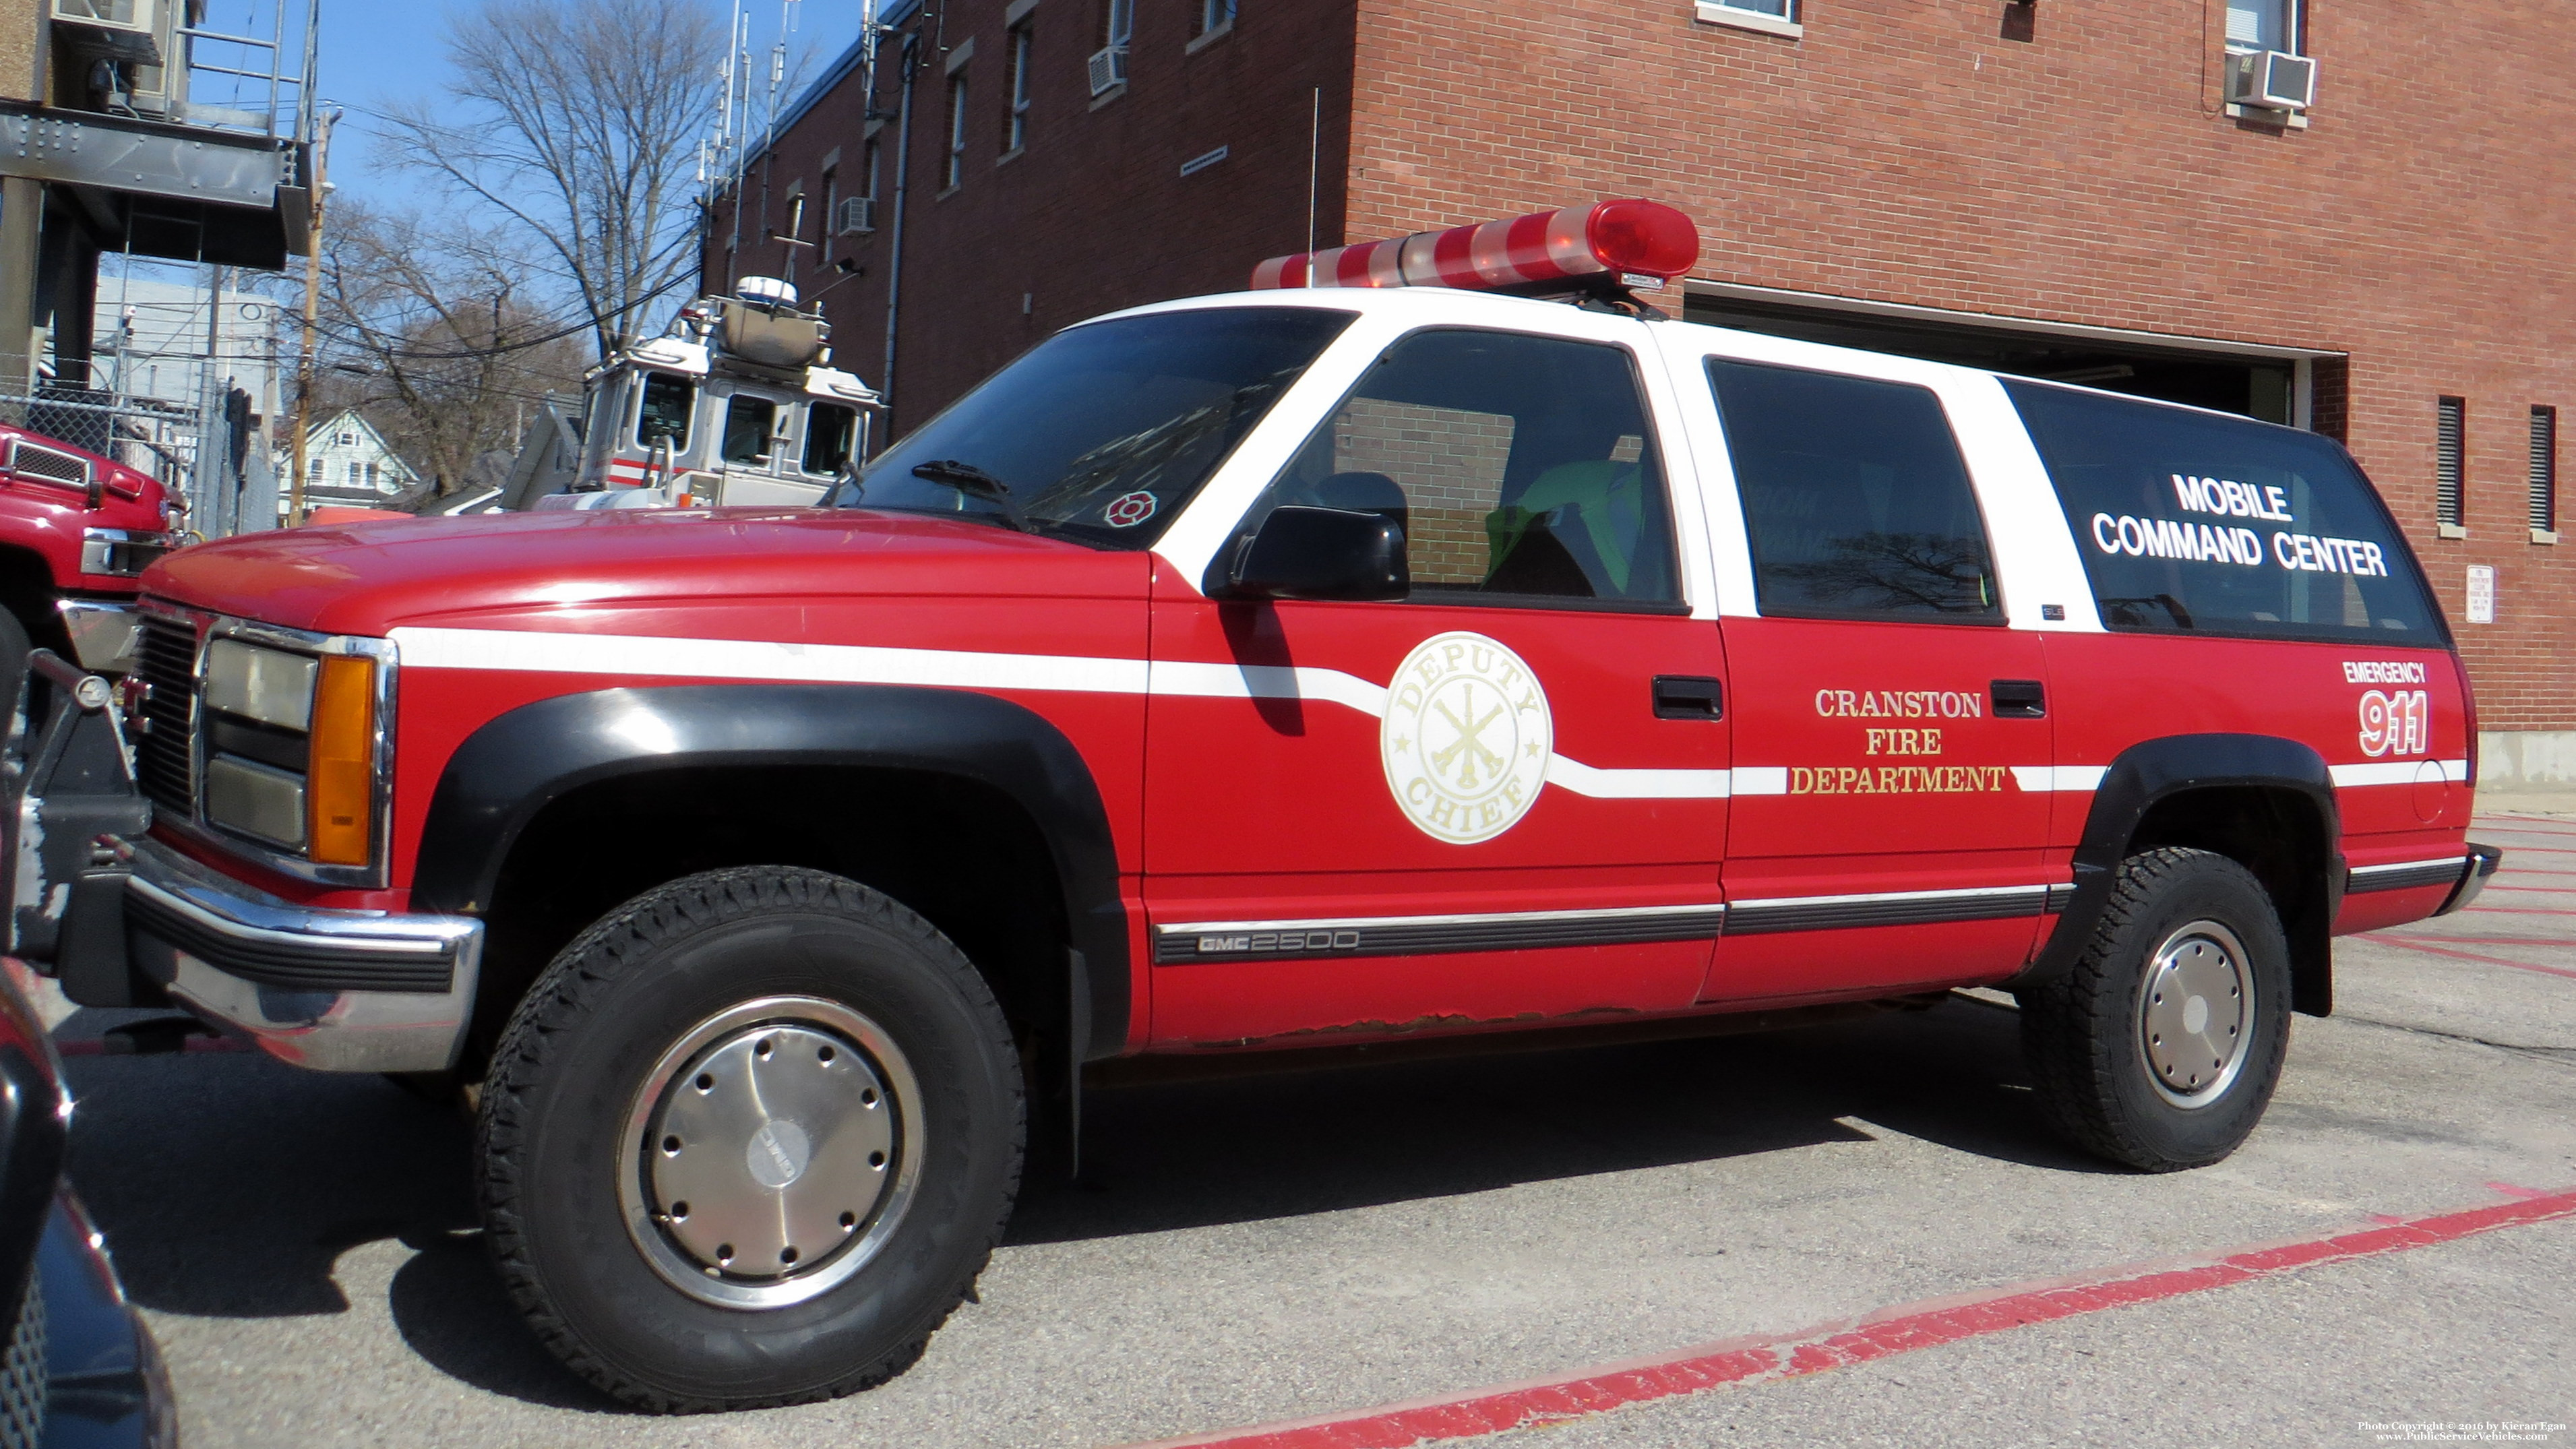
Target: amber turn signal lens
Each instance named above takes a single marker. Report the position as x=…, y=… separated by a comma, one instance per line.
x=340, y=785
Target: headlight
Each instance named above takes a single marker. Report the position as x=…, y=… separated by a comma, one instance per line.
x=290, y=744
x=267, y=685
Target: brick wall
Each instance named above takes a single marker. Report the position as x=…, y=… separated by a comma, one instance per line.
x=1093, y=214
x=1900, y=150
x=1905, y=150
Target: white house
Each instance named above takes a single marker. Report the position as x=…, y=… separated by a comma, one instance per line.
x=347, y=461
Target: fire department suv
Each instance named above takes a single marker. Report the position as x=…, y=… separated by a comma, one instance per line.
x=1429, y=640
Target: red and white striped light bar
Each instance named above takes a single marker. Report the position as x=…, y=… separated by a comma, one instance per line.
x=1621, y=238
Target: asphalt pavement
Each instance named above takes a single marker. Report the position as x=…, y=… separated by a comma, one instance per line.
x=1614, y=1219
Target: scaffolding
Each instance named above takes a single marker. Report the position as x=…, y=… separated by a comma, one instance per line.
x=173, y=138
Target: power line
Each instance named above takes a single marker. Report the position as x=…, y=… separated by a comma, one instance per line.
x=497, y=349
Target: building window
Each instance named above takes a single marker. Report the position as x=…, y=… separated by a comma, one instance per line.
x=868, y=169
x=1120, y=18
x=2263, y=25
x=831, y=215
x=1015, y=129
x=2450, y=444
x=956, y=129
x=1783, y=11
x=1216, y=15
x=2544, y=469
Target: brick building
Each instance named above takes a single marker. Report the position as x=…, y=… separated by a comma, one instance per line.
x=2053, y=187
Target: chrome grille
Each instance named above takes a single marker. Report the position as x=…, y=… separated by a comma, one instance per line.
x=163, y=755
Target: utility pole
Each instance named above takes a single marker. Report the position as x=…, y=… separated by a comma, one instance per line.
x=312, y=309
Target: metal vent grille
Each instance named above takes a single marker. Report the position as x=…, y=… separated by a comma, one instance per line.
x=2544, y=468
x=2449, y=444
x=164, y=759
x=38, y=461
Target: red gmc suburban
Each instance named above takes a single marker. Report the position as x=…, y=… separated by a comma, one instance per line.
x=1316, y=664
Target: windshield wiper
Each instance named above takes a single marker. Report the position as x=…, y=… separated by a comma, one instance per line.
x=967, y=478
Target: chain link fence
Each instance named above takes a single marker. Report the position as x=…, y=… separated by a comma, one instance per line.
x=165, y=439
x=145, y=434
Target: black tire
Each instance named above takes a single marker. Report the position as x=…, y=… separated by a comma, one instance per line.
x=2087, y=1039
x=564, y=1090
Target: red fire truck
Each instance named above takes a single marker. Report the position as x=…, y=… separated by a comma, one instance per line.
x=76, y=533
x=1430, y=640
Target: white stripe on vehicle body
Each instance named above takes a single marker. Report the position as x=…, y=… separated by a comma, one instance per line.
x=558, y=652
x=2399, y=772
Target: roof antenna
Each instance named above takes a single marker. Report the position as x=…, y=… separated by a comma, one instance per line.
x=1314, y=171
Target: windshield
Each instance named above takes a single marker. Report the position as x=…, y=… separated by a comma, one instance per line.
x=1102, y=432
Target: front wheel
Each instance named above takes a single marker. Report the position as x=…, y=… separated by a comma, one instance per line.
x=2160, y=1047
x=749, y=1140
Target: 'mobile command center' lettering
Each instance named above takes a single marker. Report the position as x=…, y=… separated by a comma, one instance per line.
x=2206, y=543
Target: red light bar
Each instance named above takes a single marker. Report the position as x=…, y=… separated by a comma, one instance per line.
x=1621, y=238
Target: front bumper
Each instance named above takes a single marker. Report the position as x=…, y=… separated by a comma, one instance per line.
x=122, y=920
x=338, y=991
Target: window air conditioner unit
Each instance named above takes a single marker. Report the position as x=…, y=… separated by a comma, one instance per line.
x=1108, y=69
x=858, y=216
x=2272, y=80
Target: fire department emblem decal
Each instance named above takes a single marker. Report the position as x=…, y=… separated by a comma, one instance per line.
x=1128, y=509
x=1466, y=738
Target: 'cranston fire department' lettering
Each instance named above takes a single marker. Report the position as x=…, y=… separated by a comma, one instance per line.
x=1899, y=779
x=1901, y=703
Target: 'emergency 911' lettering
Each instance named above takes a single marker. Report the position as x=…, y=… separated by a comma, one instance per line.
x=1899, y=779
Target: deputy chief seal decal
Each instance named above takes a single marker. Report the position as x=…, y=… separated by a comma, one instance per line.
x=1466, y=738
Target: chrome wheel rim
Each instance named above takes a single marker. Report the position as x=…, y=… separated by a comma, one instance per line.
x=2196, y=1014
x=770, y=1152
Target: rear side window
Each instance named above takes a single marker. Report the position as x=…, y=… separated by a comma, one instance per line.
x=1855, y=500
x=2210, y=524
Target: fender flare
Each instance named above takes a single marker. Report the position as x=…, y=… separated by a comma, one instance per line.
x=519, y=762
x=2152, y=771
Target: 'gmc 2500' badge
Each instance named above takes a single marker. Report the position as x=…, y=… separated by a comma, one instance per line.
x=1466, y=738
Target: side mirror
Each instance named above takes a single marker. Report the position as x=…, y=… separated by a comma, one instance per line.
x=1319, y=553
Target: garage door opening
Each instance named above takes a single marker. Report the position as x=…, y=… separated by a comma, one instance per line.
x=2274, y=384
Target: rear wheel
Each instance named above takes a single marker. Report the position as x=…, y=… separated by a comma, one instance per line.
x=2160, y=1047
x=749, y=1140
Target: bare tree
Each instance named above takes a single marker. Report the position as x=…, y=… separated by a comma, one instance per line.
x=428, y=335
x=578, y=122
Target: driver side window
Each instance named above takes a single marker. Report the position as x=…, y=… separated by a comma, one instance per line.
x=1521, y=469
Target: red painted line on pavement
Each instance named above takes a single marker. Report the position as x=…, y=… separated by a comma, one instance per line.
x=2514, y=911
x=1831, y=1346
x=2536, y=890
x=2475, y=940
x=2472, y=956
x=2510, y=1190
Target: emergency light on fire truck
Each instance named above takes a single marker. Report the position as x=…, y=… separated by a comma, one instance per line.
x=1607, y=245
x=736, y=404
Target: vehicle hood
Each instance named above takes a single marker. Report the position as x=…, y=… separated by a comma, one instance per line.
x=368, y=578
